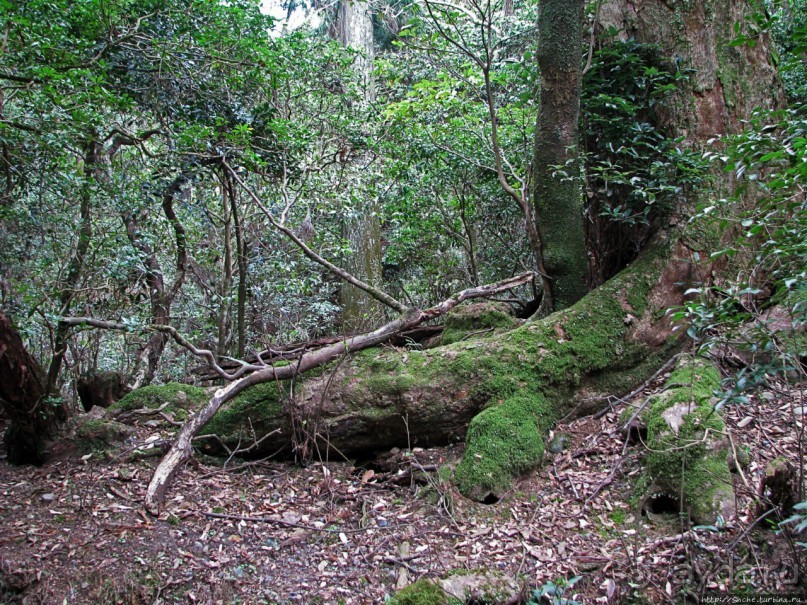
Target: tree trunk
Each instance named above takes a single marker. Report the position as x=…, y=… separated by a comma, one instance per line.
x=225, y=327
x=727, y=82
x=23, y=397
x=558, y=201
x=242, y=262
x=75, y=268
x=160, y=297
x=361, y=228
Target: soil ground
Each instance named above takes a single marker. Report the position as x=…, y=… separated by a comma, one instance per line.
x=74, y=530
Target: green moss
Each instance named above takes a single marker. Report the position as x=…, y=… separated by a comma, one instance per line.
x=422, y=592
x=180, y=397
x=504, y=441
x=98, y=435
x=538, y=366
x=469, y=318
x=692, y=459
x=392, y=383
x=618, y=516
x=260, y=407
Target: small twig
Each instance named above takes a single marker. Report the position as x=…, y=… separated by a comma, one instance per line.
x=610, y=478
x=748, y=529
x=402, y=562
x=477, y=333
x=168, y=584
x=169, y=420
x=282, y=523
x=143, y=411
x=737, y=464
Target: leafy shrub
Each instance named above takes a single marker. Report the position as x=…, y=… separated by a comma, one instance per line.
x=634, y=171
x=767, y=254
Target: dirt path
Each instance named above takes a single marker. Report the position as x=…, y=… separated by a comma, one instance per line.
x=74, y=530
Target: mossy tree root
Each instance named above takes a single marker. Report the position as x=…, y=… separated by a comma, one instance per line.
x=687, y=460
x=181, y=450
x=524, y=379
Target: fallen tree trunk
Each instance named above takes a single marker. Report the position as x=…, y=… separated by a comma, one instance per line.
x=181, y=449
x=293, y=351
x=524, y=379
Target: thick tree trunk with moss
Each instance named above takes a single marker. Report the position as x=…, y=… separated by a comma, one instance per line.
x=508, y=388
x=23, y=397
x=558, y=197
x=727, y=82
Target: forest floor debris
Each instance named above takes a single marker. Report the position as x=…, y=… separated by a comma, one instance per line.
x=74, y=530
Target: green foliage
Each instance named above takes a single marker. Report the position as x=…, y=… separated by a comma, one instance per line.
x=635, y=172
x=799, y=520
x=762, y=310
x=788, y=24
x=554, y=592
x=443, y=194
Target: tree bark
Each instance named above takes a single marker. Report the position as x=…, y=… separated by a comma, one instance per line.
x=160, y=297
x=22, y=395
x=557, y=197
x=224, y=287
x=242, y=262
x=361, y=227
x=727, y=82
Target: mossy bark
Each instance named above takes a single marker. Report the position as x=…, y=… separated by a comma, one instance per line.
x=688, y=451
x=523, y=379
x=477, y=319
x=558, y=197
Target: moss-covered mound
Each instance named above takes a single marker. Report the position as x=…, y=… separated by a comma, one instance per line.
x=423, y=592
x=468, y=318
x=98, y=434
x=181, y=400
x=505, y=436
x=259, y=409
x=687, y=449
x=460, y=586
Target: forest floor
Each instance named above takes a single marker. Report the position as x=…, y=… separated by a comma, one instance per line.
x=74, y=530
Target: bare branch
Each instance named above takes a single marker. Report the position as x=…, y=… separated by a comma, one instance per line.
x=593, y=38
x=377, y=294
